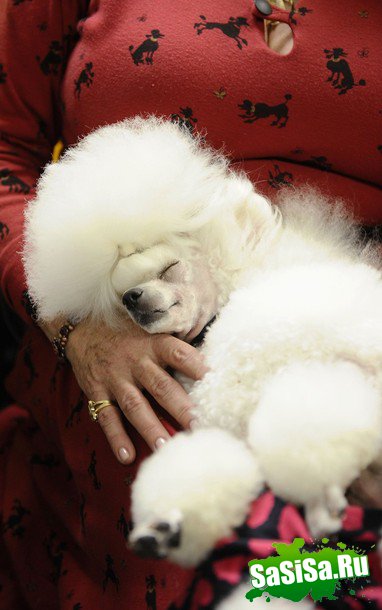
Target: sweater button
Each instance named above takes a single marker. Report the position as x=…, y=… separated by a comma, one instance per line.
x=263, y=7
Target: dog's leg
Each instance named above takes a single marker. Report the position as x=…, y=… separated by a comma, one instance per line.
x=316, y=427
x=324, y=516
x=191, y=493
x=319, y=518
x=336, y=500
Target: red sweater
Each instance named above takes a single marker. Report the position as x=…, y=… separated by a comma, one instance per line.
x=281, y=115
x=65, y=68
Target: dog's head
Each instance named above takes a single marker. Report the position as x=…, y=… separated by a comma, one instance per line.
x=109, y=218
x=167, y=288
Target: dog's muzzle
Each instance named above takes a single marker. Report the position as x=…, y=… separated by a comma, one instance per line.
x=138, y=306
x=156, y=541
x=143, y=306
x=146, y=547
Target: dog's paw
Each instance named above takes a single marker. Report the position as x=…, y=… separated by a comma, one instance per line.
x=323, y=519
x=157, y=539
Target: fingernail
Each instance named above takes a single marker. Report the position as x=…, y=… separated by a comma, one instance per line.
x=123, y=454
x=159, y=442
x=193, y=424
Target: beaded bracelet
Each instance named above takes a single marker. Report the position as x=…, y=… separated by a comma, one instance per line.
x=59, y=342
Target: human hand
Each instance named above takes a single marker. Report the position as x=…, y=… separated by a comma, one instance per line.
x=366, y=491
x=116, y=365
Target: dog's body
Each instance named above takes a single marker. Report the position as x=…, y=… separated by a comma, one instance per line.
x=295, y=358
x=295, y=364
x=293, y=395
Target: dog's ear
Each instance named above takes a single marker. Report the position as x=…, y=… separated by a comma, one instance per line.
x=254, y=215
x=241, y=228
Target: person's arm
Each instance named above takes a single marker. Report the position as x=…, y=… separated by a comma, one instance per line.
x=35, y=40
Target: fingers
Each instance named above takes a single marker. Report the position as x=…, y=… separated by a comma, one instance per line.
x=109, y=419
x=181, y=356
x=140, y=414
x=167, y=392
x=118, y=367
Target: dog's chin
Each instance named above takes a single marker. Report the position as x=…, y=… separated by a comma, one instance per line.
x=160, y=322
x=150, y=321
x=190, y=334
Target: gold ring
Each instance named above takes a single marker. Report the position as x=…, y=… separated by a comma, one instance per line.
x=96, y=406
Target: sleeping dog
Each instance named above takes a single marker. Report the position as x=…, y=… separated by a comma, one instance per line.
x=142, y=220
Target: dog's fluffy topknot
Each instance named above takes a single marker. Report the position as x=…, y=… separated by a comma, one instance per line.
x=122, y=188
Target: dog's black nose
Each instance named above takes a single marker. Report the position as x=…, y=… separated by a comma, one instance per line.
x=146, y=546
x=131, y=297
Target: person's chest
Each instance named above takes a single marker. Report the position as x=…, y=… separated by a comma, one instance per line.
x=207, y=65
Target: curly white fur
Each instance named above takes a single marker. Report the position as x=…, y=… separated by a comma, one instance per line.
x=303, y=380
x=206, y=489
x=123, y=188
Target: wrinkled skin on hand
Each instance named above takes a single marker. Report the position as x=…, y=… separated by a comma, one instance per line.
x=117, y=365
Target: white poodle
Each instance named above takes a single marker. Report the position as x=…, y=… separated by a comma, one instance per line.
x=141, y=219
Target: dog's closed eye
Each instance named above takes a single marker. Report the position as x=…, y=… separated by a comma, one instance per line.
x=164, y=271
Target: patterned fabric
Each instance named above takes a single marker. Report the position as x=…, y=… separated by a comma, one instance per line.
x=66, y=67
x=269, y=520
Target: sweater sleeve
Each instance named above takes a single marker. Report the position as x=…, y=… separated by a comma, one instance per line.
x=36, y=38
